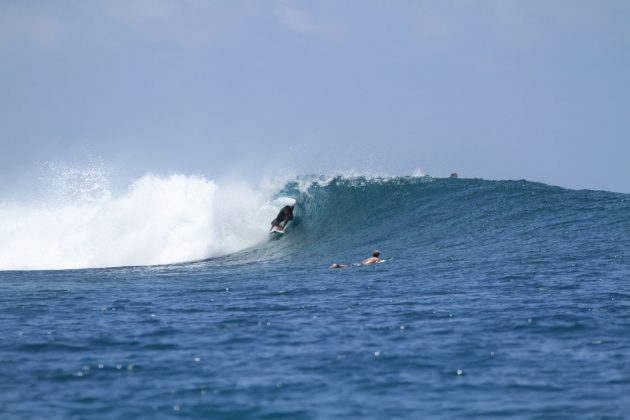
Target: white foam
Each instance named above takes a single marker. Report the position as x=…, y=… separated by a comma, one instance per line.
x=158, y=220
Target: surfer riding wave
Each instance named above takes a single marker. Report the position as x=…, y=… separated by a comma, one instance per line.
x=284, y=217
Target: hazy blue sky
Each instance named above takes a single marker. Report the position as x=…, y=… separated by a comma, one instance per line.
x=495, y=89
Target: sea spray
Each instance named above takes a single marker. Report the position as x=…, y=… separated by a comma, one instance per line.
x=158, y=220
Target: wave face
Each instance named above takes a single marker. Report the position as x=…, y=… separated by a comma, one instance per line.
x=422, y=218
x=162, y=220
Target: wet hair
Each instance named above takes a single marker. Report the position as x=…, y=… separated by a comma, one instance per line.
x=376, y=253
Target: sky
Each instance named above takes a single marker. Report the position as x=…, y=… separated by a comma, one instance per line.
x=495, y=89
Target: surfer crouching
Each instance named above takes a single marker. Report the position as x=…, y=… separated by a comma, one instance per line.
x=285, y=215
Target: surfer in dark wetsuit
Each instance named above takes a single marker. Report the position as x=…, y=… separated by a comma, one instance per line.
x=285, y=215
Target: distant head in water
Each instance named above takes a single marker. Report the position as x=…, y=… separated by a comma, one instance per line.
x=376, y=253
x=454, y=175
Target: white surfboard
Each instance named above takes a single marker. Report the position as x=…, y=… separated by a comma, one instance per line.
x=275, y=230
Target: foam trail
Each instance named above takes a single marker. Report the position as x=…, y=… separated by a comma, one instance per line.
x=159, y=220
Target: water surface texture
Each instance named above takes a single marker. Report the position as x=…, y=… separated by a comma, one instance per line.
x=498, y=299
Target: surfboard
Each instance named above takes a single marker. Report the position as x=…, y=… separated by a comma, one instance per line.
x=275, y=231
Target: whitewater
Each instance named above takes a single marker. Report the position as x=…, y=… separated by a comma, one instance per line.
x=157, y=220
x=168, y=298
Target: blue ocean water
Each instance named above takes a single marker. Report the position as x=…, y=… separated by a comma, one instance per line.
x=497, y=299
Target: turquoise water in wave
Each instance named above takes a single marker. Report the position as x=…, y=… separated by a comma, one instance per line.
x=500, y=299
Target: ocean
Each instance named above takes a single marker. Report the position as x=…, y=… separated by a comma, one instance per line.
x=497, y=299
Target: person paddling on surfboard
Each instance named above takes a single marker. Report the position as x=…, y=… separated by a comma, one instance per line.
x=285, y=215
x=375, y=258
